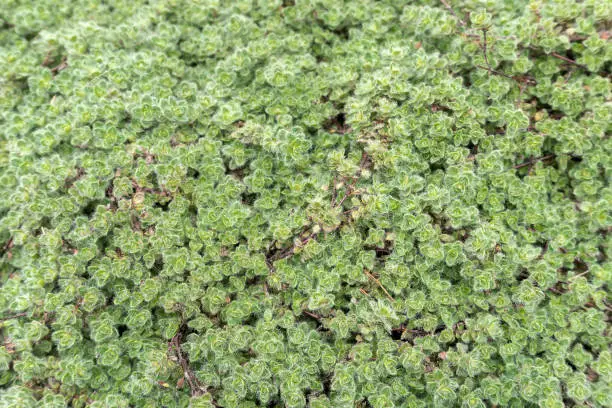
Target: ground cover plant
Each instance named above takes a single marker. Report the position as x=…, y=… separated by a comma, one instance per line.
x=317, y=203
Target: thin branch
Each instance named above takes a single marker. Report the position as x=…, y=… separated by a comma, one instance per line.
x=530, y=162
x=346, y=195
x=520, y=96
x=174, y=347
x=273, y=255
x=290, y=250
x=555, y=290
x=350, y=210
x=62, y=65
x=577, y=276
x=334, y=193
x=364, y=163
x=48, y=59
x=270, y=246
x=571, y=61
x=6, y=248
x=484, y=48
x=450, y=9
x=69, y=182
x=369, y=275
x=315, y=316
x=15, y=316
x=497, y=72
x=559, y=56
x=8, y=244
x=162, y=192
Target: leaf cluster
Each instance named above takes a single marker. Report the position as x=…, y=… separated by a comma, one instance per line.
x=305, y=203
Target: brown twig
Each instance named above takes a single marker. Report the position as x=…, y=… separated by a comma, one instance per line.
x=315, y=316
x=484, y=48
x=559, y=56
x=520, y=96
x=8, y=245
x=273, y=255
x=369, y=275
x=271, y=246
x=15, y=316
x=350, y=210
x=450, y=9
x=364, y=163
x=139, y=188
x=147, y=156
x=346, y=195
x=69, y=182
x=569, y=60
x=62, y=65
x=579, y=275
x=47, y=59
x=497, y=72
x=174, y=350
x=555, y=290
x=530, y=162
x=334, y=192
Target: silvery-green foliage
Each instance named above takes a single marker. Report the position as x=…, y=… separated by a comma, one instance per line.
x=325, y=203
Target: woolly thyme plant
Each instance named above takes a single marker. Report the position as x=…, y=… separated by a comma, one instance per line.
x=317, y=203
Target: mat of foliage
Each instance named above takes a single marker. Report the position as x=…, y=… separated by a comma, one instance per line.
x=314, y=203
